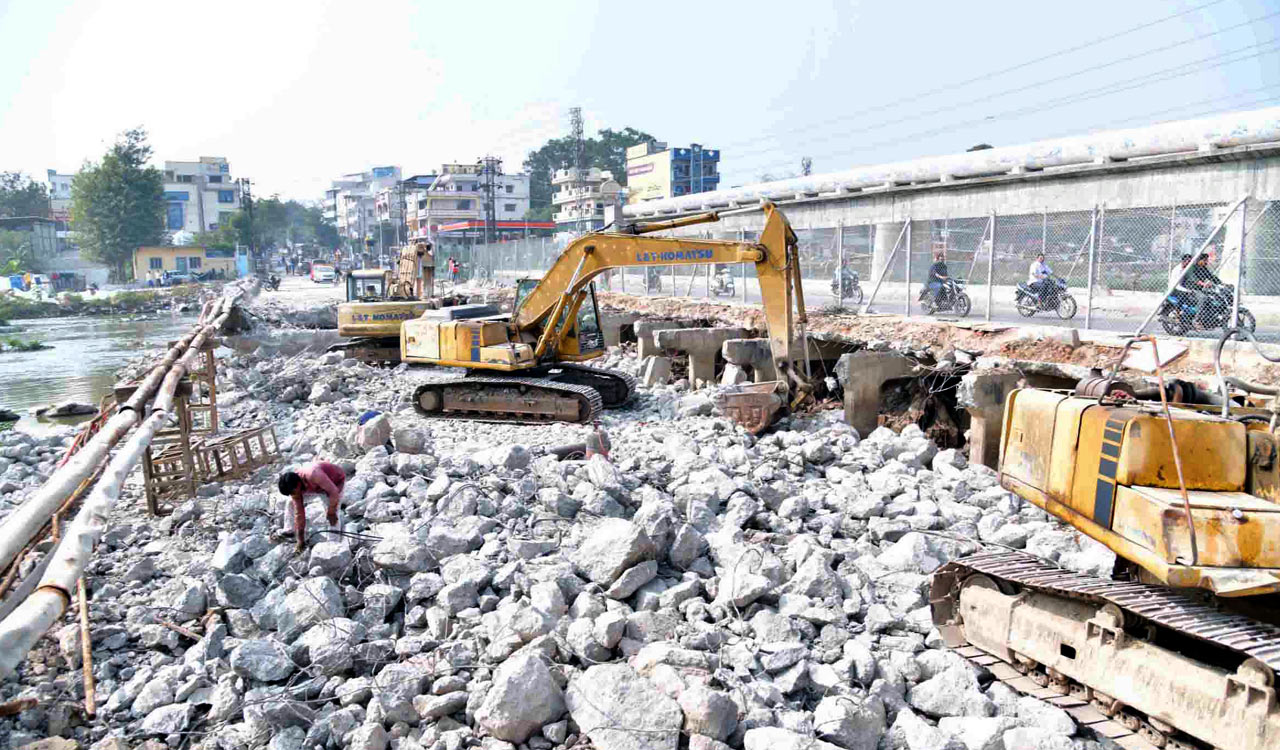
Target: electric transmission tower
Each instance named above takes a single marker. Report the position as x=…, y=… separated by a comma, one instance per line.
x=490, y=169
x=579, y=162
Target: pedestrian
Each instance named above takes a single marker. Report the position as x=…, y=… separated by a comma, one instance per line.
x=316, y=478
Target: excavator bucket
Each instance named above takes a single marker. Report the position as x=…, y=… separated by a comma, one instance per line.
x=755, y=406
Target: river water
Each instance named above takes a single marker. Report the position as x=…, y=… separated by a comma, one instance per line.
x=83, y=360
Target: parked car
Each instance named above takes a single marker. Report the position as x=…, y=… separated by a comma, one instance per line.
x=174, y=278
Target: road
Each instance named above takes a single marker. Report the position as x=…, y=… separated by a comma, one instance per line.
x=1119, y=312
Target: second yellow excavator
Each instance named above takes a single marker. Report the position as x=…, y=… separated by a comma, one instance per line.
x=379, y=300
x=528, y=367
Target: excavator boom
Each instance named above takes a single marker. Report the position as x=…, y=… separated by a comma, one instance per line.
x=545, y=332
x=775, y=258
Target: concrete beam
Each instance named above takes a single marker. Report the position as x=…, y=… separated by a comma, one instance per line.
x=701, y=344
x=611, y=324
x=863, y=374
x=983, y=394
x=645, y=329
x=751, y=353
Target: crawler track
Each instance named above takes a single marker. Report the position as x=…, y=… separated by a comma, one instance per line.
x=507, y=399
x=1216, y=668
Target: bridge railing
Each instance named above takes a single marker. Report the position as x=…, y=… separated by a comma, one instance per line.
x=1117, y=263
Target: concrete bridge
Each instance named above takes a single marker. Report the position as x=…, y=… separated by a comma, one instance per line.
x=1211, y=160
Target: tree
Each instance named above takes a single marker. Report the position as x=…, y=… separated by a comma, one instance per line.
x=276, y=223
x=16, y=253
x=608, y=151
x=117, y=205
x=20, y=196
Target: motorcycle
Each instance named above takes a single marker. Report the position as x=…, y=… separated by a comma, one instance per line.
x=1183, y=312
x=722, y=285
x=950, y=298
x=847, y=285
x=1056, y=299
x=273, y=282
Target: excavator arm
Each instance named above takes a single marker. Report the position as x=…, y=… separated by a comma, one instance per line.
x=775, y=258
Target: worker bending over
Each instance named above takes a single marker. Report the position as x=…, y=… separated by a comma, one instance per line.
x=316, y=478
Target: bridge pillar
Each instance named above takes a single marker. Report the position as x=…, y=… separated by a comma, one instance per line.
x=882, y=246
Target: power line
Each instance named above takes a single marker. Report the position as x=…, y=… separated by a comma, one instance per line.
x=1037, y=84
x=994, y=73
x=1117, y=87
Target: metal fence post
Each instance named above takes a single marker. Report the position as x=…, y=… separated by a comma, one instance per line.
x=1244, y=231
x=991, y=264
x=1093, y=246
x=1044, y=231
x=839, y=264
x=1173, y=226
x=906, y=301
x=742, y=237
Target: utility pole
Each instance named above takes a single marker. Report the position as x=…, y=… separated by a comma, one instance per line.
x=246, y=200
x=403, y=229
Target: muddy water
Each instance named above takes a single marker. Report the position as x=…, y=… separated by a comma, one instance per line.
x=83, y=360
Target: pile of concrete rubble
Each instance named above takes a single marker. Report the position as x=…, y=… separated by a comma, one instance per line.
x=701, y=588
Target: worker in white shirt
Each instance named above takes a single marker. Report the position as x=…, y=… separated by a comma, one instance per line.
x=1038, y=276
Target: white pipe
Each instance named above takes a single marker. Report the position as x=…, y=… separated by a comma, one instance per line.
x=64, y=566
x=1223, y=131
x=20, y=631
x=26, y=520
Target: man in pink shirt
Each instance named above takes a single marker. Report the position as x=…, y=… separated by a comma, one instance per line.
x=316, y=478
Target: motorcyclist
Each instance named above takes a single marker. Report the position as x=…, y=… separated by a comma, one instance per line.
x=724, y=277
x=653, y=278
x=1202, y=281
x=844, y=279
x=1039, y=278
x=937, y=276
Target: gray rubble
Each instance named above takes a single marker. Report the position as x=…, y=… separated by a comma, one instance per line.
x=702, y=587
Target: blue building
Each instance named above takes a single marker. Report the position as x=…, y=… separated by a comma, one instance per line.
x=655, y=171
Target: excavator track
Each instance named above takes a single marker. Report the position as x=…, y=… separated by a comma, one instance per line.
x=1147, y=666
x=616, y=389
x=507, y=399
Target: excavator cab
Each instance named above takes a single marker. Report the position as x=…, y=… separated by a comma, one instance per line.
x=584, y=338
x=368, y=285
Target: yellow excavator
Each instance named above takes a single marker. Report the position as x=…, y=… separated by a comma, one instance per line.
x=379, y=300
x=1179, y=648
x=527, y=367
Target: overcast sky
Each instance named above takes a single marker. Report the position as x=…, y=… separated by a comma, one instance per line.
x=296, y=93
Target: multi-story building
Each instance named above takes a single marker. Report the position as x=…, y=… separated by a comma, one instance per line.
x=456, y=196
x=579, y=197
x=60, y=206
x=351, y=201
x=60, y=197
x=655, y=171
x=199, y=195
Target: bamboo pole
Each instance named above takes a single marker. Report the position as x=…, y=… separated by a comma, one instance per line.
x=86, y=653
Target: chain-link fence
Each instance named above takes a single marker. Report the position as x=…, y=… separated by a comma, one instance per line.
x=1107, y=269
